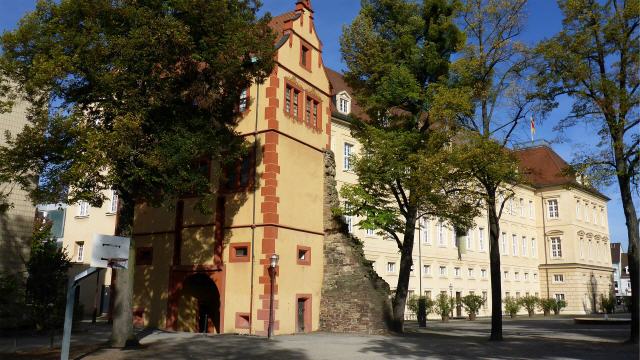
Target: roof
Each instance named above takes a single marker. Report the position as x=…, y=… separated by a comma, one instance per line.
x=615, y=253
x=624, y=263
x=545, y=168
x=338, y=85
x=277, y=23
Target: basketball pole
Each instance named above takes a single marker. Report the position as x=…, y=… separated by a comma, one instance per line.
x=68, y=313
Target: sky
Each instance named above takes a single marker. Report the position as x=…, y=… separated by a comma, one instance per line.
x=543, y=21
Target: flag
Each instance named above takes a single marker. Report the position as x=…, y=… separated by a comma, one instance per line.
x=533, y=128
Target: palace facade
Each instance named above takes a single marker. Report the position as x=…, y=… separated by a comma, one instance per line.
x=554, y=233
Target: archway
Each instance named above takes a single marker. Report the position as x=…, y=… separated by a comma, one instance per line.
x=200, y=288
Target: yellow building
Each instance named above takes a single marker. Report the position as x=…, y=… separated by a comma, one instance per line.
x=209, y=272
x=81, y=222
x=546, y=250
x=16, y=226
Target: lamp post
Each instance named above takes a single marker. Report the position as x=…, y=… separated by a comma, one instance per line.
x=272, y=275
x=451, y=298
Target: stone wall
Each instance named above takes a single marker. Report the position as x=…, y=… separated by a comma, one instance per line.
x=354, y=298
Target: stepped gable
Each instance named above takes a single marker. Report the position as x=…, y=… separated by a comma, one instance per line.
x=354, y=298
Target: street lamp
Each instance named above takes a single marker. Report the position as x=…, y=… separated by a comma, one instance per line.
x=451, y=298
x=272, y=275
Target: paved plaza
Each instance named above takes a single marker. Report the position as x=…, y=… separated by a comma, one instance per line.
x=537, y=338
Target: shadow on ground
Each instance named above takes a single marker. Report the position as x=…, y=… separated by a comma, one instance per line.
x=171, y=346
x=420, y=346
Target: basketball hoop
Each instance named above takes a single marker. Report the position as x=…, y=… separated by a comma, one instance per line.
x=115, y=262
x=110, y=251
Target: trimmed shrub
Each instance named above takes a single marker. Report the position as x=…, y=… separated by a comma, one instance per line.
x=529, y=302
x=444, y=305
x=511, y=306
x=607, y=303
x=547, y=305
x=472, y=304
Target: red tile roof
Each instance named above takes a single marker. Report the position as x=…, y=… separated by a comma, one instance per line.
x=277, y=23
x=338, y=85
x=545, y=168
x=615, y=253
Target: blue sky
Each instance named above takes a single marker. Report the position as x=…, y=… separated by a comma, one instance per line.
x=544, y=20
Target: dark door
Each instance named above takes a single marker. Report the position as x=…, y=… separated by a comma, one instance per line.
x=301, y=315
x=458, y=304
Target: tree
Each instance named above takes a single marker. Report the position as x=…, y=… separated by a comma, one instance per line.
x=472, y=304
x=494, y=68
x=46, y=285
x=135, y=96
x=595, y=61
x=397, y=54
x=529, y=302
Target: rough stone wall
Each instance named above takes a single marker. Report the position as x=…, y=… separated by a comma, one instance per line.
x=354, y=298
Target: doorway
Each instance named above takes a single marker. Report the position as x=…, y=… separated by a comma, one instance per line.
x=458, y=304
x=204, y=291
x=303, y=313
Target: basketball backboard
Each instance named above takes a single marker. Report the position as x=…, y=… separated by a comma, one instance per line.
x=110, y=251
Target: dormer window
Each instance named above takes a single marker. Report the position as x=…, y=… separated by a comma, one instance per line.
x=343, y=102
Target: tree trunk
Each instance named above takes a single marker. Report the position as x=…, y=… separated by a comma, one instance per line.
x=122, y=330
x=494, y=259
x=632, y=233
x=406, y=262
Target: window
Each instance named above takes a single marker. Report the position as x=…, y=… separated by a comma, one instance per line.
x=556, y=247
x=348, y=149
x=79, y=251
x=144, y=256
x=391, y=267
x=504, y=243
x=517, y=294
x=553, y=208
x=511, y=212
x=530, y=209
x=514, y=244
x=595, y=216
x=443, y=271
x=505, y=275
x=240, y=175
x=481, y=239
x=558, y=278
x=522, y=207
x=370, y=232
x=305, y=57
x=348, y=218
x=113, y=207
x=559, y=296
x=440, y=229
x=469, y=239
x=526, y=276
x=425, y=227
x=483, y=273
x=533, y=247
x=344, y=103
x=456, y=272
x=578, y=207
x=585, y=211
x=239, y=252
x=535, y=276
x=291, y=101
x=524, y=246
x=83, y=208
x=426, y=270
x=602, y=217
x=581, y=247
x=311, y=112
x=590, y=249
x=303, y=255
x=427, y=294
x=453, y=238
x=470, y=272
x=516, y=276
x=244, y=101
